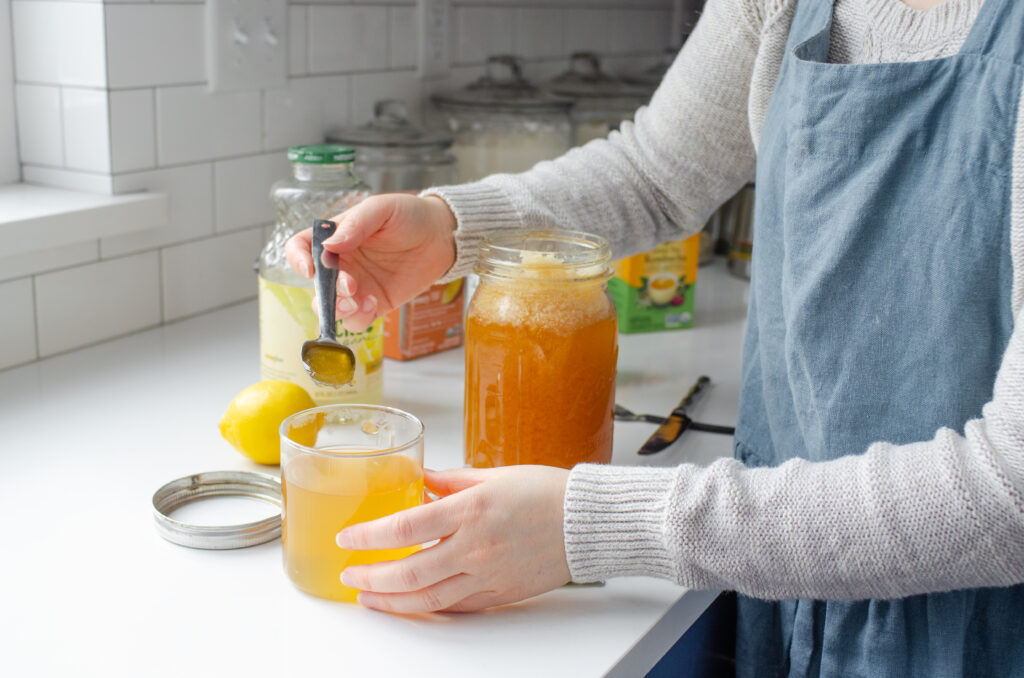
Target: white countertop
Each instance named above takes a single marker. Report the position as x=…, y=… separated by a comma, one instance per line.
x=89, y=588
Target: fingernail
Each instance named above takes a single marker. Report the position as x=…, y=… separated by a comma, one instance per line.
x=346, y=305
x=343, y=289
x=339, y=236
x=304, y=269
x=343, y=541
x=345, y=578
x=370, y=303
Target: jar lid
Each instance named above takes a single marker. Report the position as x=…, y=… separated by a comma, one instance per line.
x=586, y=80
x=321, y=154
x=391, y=128
x=504, y=88
x=200, y=486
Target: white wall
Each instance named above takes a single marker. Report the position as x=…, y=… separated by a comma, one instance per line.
x=123, y=107
x=9, y=170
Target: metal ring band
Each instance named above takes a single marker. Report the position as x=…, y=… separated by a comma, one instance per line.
x=217, y=484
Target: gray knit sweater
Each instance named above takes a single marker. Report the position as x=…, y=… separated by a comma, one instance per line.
x=940, y=514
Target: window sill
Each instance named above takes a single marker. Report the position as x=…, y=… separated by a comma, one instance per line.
x=34, y=218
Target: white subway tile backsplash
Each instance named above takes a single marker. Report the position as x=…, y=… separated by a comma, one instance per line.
x=368, y=88
x=83, y=305
x=155, y=45
x=52, y=259
x=40, y=133
x=191, y=193
x=132, y=130
x=86, y=129
x=482, y=32
x=59, y=43
x=73, y=180
x=154, y=127
x=243, y=188
x=206, y=274
x=539, y=32
x=297, y=44
x=18, y=330
x=194, y=125
x=344, y=39
x=305, y=110
x=403, y=43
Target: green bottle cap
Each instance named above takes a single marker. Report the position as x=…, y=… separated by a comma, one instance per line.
x=321, y=154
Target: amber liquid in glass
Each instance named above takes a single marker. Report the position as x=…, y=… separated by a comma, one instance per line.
x=540, y=372
x=321, y=496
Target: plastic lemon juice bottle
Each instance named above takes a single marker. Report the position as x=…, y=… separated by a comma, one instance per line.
x=321, y=186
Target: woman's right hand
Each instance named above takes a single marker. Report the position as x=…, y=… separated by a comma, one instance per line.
x=387, y=249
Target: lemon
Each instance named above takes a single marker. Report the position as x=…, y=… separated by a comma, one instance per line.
x=253, y=418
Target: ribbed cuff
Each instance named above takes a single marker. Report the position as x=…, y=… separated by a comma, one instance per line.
x=479, y=209
x=615, y=520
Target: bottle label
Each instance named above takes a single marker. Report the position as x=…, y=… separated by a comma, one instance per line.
x=287, y=320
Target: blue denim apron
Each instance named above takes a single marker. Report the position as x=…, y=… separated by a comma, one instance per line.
x=880, y=310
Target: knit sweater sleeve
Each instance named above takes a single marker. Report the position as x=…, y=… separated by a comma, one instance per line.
x=932, y=516
x=656, y=179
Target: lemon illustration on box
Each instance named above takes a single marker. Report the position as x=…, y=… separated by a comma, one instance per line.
x=287, y=320
x=654, y=291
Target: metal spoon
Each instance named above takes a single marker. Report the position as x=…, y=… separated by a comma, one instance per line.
x=326, y=351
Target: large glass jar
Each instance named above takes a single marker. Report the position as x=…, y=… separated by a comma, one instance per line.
x=600, y=102
x=541, y=350
x=321, y=186
x=393, y=154
x=503, y=123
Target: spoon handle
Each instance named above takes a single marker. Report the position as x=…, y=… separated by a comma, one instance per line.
x=326, y=279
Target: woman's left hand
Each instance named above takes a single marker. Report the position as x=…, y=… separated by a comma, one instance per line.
x=501, y=541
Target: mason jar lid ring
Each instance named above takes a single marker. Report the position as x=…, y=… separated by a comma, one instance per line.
x=200, y=486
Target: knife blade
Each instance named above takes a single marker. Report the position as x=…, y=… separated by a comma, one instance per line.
x=676, y=422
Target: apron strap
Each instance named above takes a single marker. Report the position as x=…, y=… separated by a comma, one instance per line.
x=998, y=31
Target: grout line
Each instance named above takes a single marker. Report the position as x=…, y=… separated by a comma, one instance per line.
x=63, y=140
x=35, y=313
x=160, y=284
x=156, y=131
x=156, y=147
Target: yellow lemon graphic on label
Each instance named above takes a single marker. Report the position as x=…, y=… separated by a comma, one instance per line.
x=370, y=355
x=451, y=291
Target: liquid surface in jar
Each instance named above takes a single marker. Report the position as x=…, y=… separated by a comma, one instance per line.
x=323, y=495
x=540, y=370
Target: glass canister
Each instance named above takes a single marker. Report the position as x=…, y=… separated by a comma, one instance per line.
x=600, y=102
x=541, y=350
x=322, y=185
x=393, y=154
x=503, y=123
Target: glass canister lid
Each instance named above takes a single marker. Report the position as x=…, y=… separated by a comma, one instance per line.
x=586, y=80
x=503, y=87
x=391, y=128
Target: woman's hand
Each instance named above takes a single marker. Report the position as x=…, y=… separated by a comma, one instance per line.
x=501, y=541
x=387, y=249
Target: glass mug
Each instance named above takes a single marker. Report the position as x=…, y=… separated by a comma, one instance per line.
x=341, y=465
